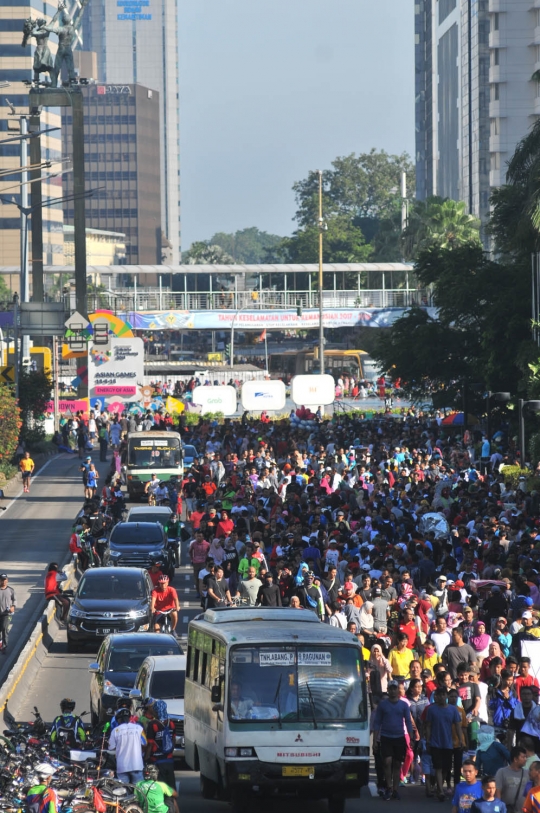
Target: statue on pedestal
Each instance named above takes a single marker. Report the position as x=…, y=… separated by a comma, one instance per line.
x=66, y=29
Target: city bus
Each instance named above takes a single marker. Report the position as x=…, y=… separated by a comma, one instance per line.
x=147, y=452
x=275, y=703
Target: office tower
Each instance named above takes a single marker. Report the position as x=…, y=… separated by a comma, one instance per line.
x=15, y=68
x=136, y=42
x=475, y=97
x=121, y=131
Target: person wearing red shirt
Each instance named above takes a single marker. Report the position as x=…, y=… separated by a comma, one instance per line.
x=224, y=526
x=164, y=598
x=52, y=590
x=195, y=519
x=155, y=572
x=408, y=626
x=209, y=487
x=524, y=678
x=198, y=551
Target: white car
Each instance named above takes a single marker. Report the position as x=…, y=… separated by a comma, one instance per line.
x=163, y=678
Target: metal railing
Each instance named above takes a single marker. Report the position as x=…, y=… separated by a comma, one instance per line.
x=152, y=299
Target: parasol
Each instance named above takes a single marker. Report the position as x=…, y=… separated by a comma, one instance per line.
x=435, y=522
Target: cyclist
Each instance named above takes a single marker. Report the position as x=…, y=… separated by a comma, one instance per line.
x=67, y=726
x=161, y=493
x=164, y=598
x=121, y=704
x=52, y=588
x=41, y=798
x=151, y=487
x=27, y=467
x=155, y=571
x=155, y=796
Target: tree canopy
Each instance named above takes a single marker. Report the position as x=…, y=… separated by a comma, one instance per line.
x=250, y=246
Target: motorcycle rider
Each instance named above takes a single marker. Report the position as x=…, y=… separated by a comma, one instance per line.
x=164, y=598
x=67, y=726
x=52, y=588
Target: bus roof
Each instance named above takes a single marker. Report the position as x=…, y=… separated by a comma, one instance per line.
x=152, y=434
x=270, y=625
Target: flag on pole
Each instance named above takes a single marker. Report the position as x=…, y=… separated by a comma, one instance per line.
x=174, y=406
x=262, y=337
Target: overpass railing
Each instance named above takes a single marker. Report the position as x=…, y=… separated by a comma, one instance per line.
x=154, y=299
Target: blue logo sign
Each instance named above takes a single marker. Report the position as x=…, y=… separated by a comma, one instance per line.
x=133, y=10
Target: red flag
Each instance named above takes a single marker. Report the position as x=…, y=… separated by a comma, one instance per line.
x=262, y=337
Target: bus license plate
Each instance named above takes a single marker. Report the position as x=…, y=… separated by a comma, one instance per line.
x=298, y=770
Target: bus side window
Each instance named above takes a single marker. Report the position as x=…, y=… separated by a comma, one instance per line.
x=196, y=658
x=189, y=661
x=204, y=669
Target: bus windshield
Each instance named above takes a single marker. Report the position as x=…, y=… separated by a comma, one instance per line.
x=154, y=453
x=296, y=684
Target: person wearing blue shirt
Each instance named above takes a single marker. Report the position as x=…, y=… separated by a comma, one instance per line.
x=468, y=791
x=488, y=803
x=442, y=722
x=391, y=717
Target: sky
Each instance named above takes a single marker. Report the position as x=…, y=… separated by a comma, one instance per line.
x=271, y=89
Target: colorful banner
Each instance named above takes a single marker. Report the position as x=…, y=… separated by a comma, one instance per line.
x=116, y=372
x=69, y=406
x=266, y=319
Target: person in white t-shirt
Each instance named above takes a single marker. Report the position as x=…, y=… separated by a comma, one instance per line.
x=127, y=741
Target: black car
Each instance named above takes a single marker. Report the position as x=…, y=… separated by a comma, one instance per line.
x=109, y=599
x=117, y=665
x=138, y=544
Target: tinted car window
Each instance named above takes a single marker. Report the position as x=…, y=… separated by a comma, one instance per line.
x=167, y=685
x=150, y=517
x=129, y=658
x=126, y=585
x=136, y=534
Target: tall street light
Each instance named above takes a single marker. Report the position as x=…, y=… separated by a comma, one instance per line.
x=322, y=227
x=524, y=407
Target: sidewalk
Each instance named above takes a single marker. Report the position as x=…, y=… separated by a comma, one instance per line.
x=35, y=531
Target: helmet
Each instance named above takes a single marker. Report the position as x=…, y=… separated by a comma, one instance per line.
x=147, y=702
x=67, y=705
x=123, y=703
x=44, y=769
x=528, y=601
x=123, y=715
x=157, y=560
x=163, y=579
x=152, y=772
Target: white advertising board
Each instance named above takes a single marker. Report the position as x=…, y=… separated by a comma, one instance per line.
x=313, y=390
x=216, y=399
x=116, y=372
x=263, y=395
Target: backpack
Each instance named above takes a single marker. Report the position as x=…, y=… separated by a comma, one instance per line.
x=166, y=741
x=33, y=803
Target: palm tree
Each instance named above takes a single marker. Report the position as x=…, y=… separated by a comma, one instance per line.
x=439, y=222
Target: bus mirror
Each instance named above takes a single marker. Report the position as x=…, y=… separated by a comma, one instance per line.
x=216, y=694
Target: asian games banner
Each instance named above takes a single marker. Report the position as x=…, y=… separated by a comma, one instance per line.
x=271, y=319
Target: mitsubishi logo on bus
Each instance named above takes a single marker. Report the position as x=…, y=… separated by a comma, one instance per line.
x=299, y=739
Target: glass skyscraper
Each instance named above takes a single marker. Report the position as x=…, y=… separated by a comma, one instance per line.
x=136, y=41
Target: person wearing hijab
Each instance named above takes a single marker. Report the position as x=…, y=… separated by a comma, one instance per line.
x=480, y=640
x=494, y=651
x=216, y=552
x=490, y=754
x=379, y=672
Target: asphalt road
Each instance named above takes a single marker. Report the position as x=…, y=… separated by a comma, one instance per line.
x=34, y=531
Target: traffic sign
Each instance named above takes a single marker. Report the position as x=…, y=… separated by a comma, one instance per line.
x=76, y=322
x=7, y=375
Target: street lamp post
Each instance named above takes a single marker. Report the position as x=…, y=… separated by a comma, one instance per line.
x=238, y=310
x=322, y=227
x=524, y=407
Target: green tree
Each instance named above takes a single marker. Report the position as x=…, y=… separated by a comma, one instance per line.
x=439, y=222
x=482, y=326
x=35, y=389
x=203, y=252
x=250, y=246
x=10, y=423
x=343, y=242
x=357, y=186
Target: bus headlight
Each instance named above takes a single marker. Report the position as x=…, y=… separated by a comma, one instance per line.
x=355, y=751
x=240, y=752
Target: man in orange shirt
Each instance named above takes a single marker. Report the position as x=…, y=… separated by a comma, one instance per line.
x=348, y=591
x=532, y=800
x=208, y=486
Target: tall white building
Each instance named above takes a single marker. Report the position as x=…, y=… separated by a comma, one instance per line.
x=136, y=41
x=475, y=96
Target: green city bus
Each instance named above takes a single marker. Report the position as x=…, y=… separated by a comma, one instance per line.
x=147, y=452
